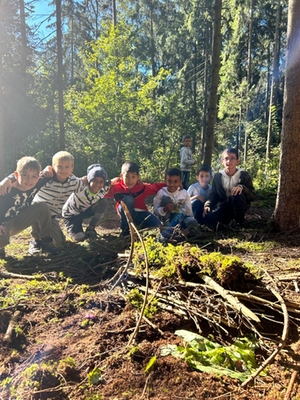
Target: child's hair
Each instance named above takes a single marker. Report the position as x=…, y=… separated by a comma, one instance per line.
x=186, y=137
x=173, y=172
x=62, y=156
x=232, y=150
x=130, y=166
x=26, y=163
x=205, y=168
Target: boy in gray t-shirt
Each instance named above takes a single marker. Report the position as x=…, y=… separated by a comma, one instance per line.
x=199, y=191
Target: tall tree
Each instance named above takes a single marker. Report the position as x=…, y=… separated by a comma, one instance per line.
x=287, y=211
x=60, y=87
x=212, y=102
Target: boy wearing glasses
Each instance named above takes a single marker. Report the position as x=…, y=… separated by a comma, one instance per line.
x=231, y=195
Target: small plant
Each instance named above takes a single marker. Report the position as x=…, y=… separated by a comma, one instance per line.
x=95, y=376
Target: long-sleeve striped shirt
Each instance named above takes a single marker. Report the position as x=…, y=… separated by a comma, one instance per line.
x=56, y=193
x=79, y=202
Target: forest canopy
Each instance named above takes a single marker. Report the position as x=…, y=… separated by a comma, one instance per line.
x=117, y=80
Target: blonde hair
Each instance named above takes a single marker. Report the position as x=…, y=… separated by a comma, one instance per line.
x=62, y=156
x=26, y=163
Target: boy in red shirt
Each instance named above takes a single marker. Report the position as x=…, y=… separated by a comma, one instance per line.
x=133, y=193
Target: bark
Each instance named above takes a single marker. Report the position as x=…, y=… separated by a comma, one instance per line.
x=212, y=103
x=287, y=210
x=61, y=118
x=275, y=78
x=2, y=166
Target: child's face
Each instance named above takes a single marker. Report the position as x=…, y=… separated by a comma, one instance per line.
x=187, y=142
x=173, y=183
x=229, y=162
x=203, y=178
x=96, y=184
x=130, y=179
x=63, y=169
x=27, y=179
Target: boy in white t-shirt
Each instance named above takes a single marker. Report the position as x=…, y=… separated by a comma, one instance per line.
x=175, y=203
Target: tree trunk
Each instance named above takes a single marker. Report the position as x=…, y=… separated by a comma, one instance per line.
x=287, y=210
x=114, y=13
x=2, y=171
x=61, y=118
x=275, y=78
x=212, y=102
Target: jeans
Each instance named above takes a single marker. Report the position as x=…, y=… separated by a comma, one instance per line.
x=74, y=223
x=182, y=220
x=185, y=176
x=234, y=208
x=142, y=219
x=197, y=207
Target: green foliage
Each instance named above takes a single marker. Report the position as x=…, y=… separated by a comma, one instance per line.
x=170, y=262
x=236, y=361
x=164, y=260
x=149, y=367
x=136, y=298
x=95, y=376
x=29, y=291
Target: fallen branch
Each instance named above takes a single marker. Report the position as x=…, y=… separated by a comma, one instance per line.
x=227, y=296
x=281, y=344
x=11, y=326
x=290, y=387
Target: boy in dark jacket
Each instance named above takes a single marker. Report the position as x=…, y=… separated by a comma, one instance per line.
x=232, y=193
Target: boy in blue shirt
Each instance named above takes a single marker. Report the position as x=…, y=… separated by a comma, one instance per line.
x=200, y=191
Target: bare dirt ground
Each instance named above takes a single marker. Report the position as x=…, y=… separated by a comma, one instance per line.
x=70, y=333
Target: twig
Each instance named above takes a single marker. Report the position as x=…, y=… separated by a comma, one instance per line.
x=231, y=299
x=11, y=326
x=281, y=344
x=291, y=384
x=147, y=286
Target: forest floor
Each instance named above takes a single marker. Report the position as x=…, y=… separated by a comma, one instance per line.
x=67, y=333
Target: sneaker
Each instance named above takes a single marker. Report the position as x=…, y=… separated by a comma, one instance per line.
x=2, y=254
x=78, y=237
x=35, y=246
x=47, y=246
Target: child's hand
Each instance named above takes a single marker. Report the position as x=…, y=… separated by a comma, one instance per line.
x=206, y=210
x=84, y=180
x=47, y=172
x=201, y=198
x=114, y=181
x=237, y=190
x=5, y=186
x=3, y=230
x=169, y=207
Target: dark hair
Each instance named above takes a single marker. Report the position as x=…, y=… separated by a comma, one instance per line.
x=232, y=150
x=173, y=172
x=205, y=168
x=130, y=166
x=186, y=137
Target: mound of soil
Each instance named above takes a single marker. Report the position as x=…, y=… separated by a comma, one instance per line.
x=69, y=340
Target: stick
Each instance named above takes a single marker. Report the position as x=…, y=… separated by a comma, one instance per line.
x=231, y=299
x=290, y=387
x=11, y=326
x=281, y=344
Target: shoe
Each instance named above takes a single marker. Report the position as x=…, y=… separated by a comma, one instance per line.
x=78, y=237
x=47, y=246
x=90, y=233
x=2, y=254
x=35, y=246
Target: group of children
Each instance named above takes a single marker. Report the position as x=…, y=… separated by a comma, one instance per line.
x=40, y=200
